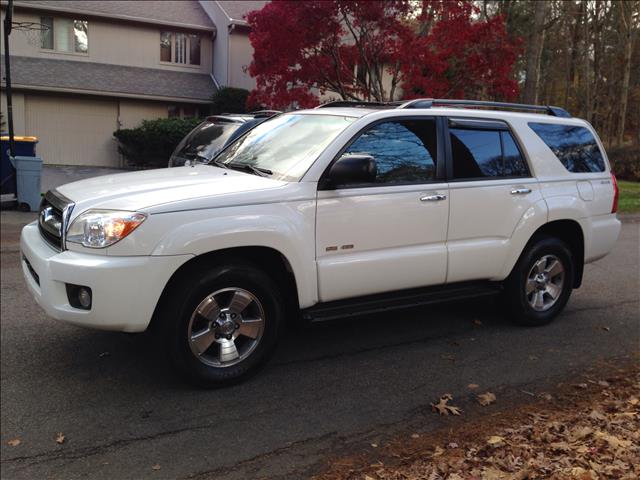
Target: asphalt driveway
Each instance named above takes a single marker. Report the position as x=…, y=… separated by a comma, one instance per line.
x=334, y=386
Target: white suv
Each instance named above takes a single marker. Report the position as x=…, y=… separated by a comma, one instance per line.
x=317, y=214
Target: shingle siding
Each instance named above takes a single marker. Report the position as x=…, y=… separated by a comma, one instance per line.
x=113, y=79
x=174, y=12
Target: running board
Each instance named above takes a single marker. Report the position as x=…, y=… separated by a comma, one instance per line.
x=397, y=300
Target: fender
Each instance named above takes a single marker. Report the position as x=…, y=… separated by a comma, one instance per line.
x=288, y=228
x=532, y=219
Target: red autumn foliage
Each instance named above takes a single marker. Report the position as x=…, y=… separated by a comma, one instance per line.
x=366, y=50
x=459, y=57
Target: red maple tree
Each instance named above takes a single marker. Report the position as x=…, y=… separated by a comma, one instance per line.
x=356, y=50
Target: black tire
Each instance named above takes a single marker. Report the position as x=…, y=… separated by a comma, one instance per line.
x=517, y=299
x=187, y=294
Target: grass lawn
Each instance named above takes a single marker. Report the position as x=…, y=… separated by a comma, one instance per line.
x=629, y=197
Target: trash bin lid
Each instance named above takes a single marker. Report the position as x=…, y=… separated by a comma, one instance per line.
x=19, y=139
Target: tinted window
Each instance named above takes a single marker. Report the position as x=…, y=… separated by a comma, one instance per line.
x=575, y=147
x=476, y=153
x=479, y=153
x=514, y=165
x=404, y=151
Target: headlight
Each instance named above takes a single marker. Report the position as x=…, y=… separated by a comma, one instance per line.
x=102, y=228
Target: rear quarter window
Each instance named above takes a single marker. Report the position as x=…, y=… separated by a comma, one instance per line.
x=575, y=146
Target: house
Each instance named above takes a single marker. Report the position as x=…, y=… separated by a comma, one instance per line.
x=99, y=66
x=232, y=41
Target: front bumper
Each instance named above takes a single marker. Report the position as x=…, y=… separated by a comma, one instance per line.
x=125, y=289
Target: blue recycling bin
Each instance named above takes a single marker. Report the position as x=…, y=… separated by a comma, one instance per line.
x=24, y=146
x=28, y=173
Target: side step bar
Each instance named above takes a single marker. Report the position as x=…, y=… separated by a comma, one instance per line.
x=397, y=300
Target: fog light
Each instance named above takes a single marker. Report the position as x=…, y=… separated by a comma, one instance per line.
x=79, y=296
x=84, y=297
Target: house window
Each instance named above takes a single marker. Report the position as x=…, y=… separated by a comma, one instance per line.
x=180, y=48
x=65, y=35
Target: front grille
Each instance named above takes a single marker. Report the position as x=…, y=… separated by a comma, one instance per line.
x=54, y=212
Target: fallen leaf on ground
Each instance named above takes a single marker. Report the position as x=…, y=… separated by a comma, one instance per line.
x=14, y=443
x=477, y=322
x=486, y=398
x=603, y=383
x=415, y=435
x=495, y=441
x=60, y=438
x=155, y=467
x=443, y=407
x=606, y=329
x=374, y=445
x=580, y=385
x=473, y=386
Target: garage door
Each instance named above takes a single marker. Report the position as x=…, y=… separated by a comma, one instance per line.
x=73, y=131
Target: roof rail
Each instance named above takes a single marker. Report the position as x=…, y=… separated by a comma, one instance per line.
x=264, y=113
x=357, y=103
x=430, y=102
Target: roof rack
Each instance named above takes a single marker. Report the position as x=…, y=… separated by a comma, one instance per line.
x=358, y=103
x=430, y=102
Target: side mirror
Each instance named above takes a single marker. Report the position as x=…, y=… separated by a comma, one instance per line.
x=351, y=169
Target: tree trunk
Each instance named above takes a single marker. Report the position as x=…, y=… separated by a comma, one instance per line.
x=626, y=14
x=534, y=52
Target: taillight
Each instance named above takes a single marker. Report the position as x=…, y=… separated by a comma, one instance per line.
x=616, y=194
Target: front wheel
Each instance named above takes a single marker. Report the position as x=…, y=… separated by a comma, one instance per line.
x=223, y=325
x=541, y=282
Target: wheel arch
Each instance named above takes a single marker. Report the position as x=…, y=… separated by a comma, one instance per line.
x=570, y=232
x=268, y=259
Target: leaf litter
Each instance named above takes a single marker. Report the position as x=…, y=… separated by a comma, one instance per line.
x=584, y=434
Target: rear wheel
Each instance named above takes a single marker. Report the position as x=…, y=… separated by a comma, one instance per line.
x=223, y=325
x=541, y=282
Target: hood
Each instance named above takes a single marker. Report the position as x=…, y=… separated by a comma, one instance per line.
x=151, y=188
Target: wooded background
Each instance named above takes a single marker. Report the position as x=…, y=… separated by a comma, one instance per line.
x=581, y=55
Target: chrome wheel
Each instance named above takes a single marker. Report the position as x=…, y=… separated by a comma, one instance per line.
x=544, y=283
x=226, y=327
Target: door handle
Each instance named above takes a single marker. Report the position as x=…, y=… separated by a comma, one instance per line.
x=520, y=191
x=433, y=198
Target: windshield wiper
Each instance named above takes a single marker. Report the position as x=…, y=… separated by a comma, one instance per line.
x=262, y=172
x=218, y=163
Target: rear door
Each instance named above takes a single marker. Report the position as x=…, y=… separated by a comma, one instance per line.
x=490, y=188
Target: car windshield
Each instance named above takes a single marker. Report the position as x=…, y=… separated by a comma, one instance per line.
x=285, y=146
x=204, y=141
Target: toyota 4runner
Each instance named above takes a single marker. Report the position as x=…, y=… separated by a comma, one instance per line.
x=345, y=209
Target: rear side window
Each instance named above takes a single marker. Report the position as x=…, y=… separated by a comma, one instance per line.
x=575, y=147
x=481, y=153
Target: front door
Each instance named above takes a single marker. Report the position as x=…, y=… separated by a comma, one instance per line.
x=389, y=234
x=491, y=190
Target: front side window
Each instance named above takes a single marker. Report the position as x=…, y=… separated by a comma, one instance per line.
x=287, y=145
x=65, y=35
x=180, y=48
x=405, y=151
x=574, y=146
x=479, y=153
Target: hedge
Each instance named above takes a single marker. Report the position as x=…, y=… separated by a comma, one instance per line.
x=625, y=162
x=229, y=100
x=151, y=144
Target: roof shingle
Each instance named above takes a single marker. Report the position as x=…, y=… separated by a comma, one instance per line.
x=110, y=79
x=236, y=10
x=188, y=13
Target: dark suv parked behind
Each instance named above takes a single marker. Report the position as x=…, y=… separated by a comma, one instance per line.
x=209, y=138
